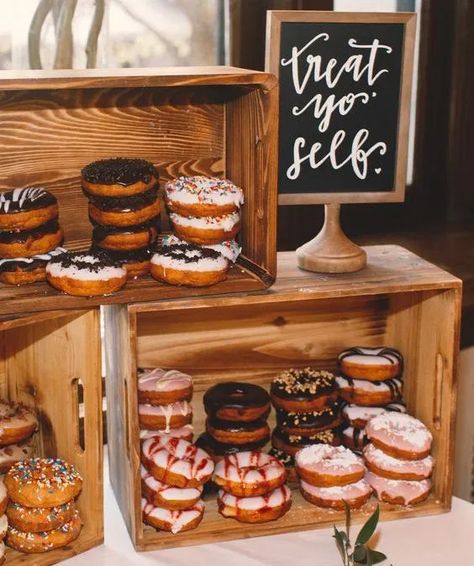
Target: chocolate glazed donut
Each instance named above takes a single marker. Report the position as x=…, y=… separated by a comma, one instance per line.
x=126, y=238
x=238, y=402
x=240, y=432
x=25, y=209
x=27, y=243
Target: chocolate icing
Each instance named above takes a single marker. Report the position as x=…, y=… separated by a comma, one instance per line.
x=119, y=256
x=390, y=383
x=206, y=442
x=358, y=437
x=124, y=204
x=305, y=383
x=234, y=395
x=179, y=252
x=99, y=233
x=23, y=200
x=28, y=263
x=20, y=236
x=325, y=437
x=314, y=419
x=286, y=459
x=69, y=259
x=119, y=171
x=236, y=426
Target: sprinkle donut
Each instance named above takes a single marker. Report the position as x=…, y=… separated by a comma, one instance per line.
x=186, y=432
x=248, y=474
x=26, y=209
x=165, y=417
x=258, y=509
x=372, y=364
x=17, y=423
x=291, y=444
x=370, y=393
x=39, y=519
x=135, y=262
x=126, y=238
x=26, y=270
x=14, y=453
x=329, y=466
x=237, y=402
x=166, y=496
x=399, y=492
x=230, y=249
x=174, y=521
x=188, y=265
x=176, y=462
x=358, y=416
x=161, y=386
x=3, y=498
x=394, y=468
x=354, y=494
x=28, y=243
x=239, y=432
x=206, y=230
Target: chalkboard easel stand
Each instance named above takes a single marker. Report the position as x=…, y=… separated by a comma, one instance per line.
x=331, y=251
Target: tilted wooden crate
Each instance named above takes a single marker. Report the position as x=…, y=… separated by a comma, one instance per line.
x=305, y=319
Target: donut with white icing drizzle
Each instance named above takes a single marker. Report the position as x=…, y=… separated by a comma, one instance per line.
x=354, y=438
x=13, y=453
x=370, y=393
x=26, y=270
x=186, y=432
x=354, y=494
x=164, y=417
x=372, y=364
x=358, y=416
x=258, y=509
x=174, y=521
x=17, y=423
x=167, y=496
x=162, y=386
x=206, y=230
x=399, y=492
x=28, y=243
x=389, y=467
x=328, y=466
x=230, y=249
x=26, y=209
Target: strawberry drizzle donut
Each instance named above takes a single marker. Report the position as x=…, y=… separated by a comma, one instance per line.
x=43, y=482
x=3, y=498
x=248, y=474
x=400, y=435
x=174, y=521
x=308, y=424
x=370, y=393
x=162, y=495
x=126, y=239
x=393, y=468
x=14, y=453
x=203, y=196
x=39, y=519
x=85, y=274
x=230, y=249
x=186, y=432
x=354, y=494
x=357, y=416
x=329, y=466
x=26, y=209
x=162, y=386
x=372, y=364
x=258, y=509
x=291, y=444
x=17, y=423
x=28, y=243
x=189, y=265
x=176, y=462
x=399, y=492
x=26, y=270
x=228, y=432
x=237, y=402
x=206, y=230
x=125, y=211
x=165, y=417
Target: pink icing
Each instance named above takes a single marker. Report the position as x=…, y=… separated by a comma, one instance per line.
x=348, y=492
x=387, y=463
x=249, y=467
x=399, y=430
x=180, y=408
x=163, y=380
x=407, y=490
x=273, y=499
x=169, y=492
x=176, y=519
x=329, y=460
x=180, y=432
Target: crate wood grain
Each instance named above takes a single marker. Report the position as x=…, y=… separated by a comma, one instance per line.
x=304, y=319
x=49, y=364
x=212, y=121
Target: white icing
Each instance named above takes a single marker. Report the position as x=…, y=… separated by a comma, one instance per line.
x=225, y=222
x=388, y=463
x=180, y=408
x=169, y=492
x=82, y=273
x=249, y=467
x=45, y=257
x=176, y=519
x=230, y=249
x=20, y=196
x=367, y=386
x=204, y=190
x=180, y=432
x=204, y=263
x=349, y=491
x=163, y=380
x=331, y=460
x=275, y=498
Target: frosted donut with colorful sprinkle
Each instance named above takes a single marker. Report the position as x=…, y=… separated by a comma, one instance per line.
x=163, y=495
x=389, y=467
x=206, y=230
x=258, y=509
x=372, y=364
x=399, y=492
x=172, y=520
x=39, y=519
x=354, y=494
x=230, y=249
x=26, y=209
x=161, y=386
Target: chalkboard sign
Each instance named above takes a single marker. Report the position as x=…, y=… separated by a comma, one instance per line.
x=345, y=84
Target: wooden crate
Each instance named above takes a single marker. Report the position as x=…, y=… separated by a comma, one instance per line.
x=304, y=319
x=51, y=362
x=207, y=120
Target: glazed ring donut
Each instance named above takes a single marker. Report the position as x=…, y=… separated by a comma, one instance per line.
x=26, y=209
x=186, y=432
x=174, y=521
x=372, y=364
x=39, y=519
x=166, y=496
x=119, y=177
x=308, y=424
x=31, y=543
x=354, y=438
x=292, y=444
x=248, y=474
x=218, y=450
x=203, y=196
x=176, y=462
x=14, y=453
x=206, y=230
x=126, y=239
x=135, y=262
x=303, y=390
x=354, y=494
x=43, y=482
x=17, y=423
x=393, y=468
x=230, y=249
x=258, y=509
x=228, y=432
x=400, y=435
x=29, y=243
x=370, y=393
x=165, y=417
x=126, y=211
x=85, y=274
x=358, y=416
x=328, y=466
x=3, y=498
x=238, y=402
x=26, y=270
x=399, y=492
x=163, y=386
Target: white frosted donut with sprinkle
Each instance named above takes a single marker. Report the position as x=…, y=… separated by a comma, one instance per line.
x=354, y=494
x=185, y=432
x=399, y=492
x=394, y=468
x=206, y=230
x=258, y=509
x=370, y=393
x=160, y=387
x=374, y=364
x=230, y=249
x=170, y=497
x=164, y=417
x=170, y=520
x=358, y=416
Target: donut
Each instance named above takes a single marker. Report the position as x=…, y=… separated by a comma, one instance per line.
x=328, y=466
x=188, y=265
x=26, y=209
x=174, y=521
x=85, y=274
x=206, y=229
x=185, y=432
x=43, y=482
x=17, y=423
x=135, y=262
x=126, y=239
x=166, y=496
x=31, y=543
x=394, y=468
x=238, y=432
x=372, y=364
x=203, y=196
x=163, y=386
x=399, y=492
x=308, y=424
x=2, y=553
x=164, y=417
x=14, y=453
x=291, y=444
x=247, y=474
x=230, y=249
x=28, y=243
x=3, y=498
x=39, y=519
x=354, y=494
x=400, y=435
x=303, y=390
x=357, y=416
x=218, y=450
x=26, y=270
x=3, y=527
x=287, y=460
x=354, y=438
x=237, y=402
x=258, y=509
x=176, y=462
x=119, y=177
x=370, y=393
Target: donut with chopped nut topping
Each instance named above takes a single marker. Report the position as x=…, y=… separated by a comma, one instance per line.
x=291, y=444
x=307, y=424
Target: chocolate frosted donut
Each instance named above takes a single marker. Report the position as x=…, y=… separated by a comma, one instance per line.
x=28, y=243
x=238, y=402
x=24, y=270
x=25, y=209
x=217, y=450
x=124, y=204
x=307, y=424
x=125, y=238
x=238, y=432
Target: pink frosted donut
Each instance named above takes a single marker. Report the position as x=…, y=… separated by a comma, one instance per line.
x=400, y=435
x=399, y=492
x=176, y=462
x=167, y=496
x=393, y=468
x=250, y=473
x=162, y=387
x=358, y=416
x=185, y=432
x=173, y=521
x=165, y=417
x=323, y=465
x=354, y=494
x=259, y=509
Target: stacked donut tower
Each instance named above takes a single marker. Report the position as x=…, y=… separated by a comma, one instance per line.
x=17, y=427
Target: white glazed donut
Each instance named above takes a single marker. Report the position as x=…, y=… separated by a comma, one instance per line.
x=358, y=416
x=394, y=468
x=206, y=229
x=369, y=393
x=13, y=453
x=17, y=423
x=167, y=496
x=185, y=432
x=230, y=249
x=172, y=520
x=354, y=494
x=399, y=492
x=165, y=417
x=373, y=364
x=161, y=387
x=259, y=509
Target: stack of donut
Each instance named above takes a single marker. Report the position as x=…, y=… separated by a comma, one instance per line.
x=173, y=474
x=370, y=381
x=30, y=234
x=398, y=458
x=124, y=208
x=3, y=520
x=236, y=419
x=41, y=512
x=252, y=487
x=17, y=427
x=205, y=216
x=332, y=475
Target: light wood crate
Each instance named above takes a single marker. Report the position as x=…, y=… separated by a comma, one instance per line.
x=218, y=121
x=400, y=300
x=51, y=362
